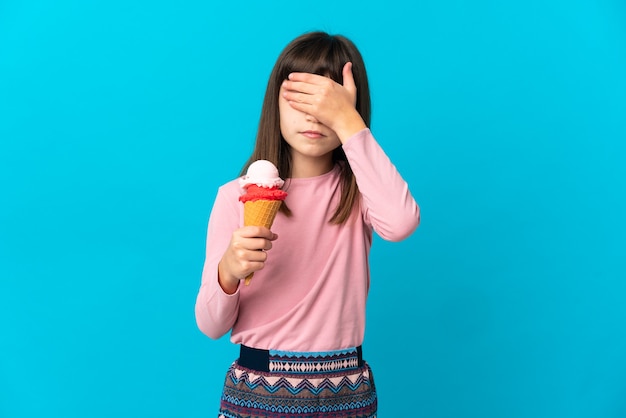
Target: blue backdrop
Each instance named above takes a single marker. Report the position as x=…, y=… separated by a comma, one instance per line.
x=119, y=120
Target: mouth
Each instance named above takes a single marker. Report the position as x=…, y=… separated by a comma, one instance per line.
x=312, y=134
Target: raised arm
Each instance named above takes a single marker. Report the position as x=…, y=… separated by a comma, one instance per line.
x=387, y=202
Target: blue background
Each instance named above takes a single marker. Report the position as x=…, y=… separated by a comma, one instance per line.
x=119, y=120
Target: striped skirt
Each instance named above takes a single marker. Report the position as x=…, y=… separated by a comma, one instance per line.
x=280, y=384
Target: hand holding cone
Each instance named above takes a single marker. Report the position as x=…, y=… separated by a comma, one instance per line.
x=262, y=197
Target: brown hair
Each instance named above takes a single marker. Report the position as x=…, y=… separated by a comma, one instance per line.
x=323, y=54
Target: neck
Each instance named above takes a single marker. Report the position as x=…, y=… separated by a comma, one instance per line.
x=303, y=167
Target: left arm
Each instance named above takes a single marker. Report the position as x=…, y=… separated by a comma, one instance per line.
x=387, y=203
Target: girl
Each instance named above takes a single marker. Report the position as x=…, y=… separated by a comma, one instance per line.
x=301, y=321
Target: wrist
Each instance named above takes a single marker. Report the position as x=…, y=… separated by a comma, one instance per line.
x=227, y=282
x=350, y=126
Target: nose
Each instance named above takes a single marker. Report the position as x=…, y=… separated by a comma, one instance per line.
x=310, y=118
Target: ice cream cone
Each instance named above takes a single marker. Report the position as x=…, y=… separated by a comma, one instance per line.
x=262, y=196
x=259, y=213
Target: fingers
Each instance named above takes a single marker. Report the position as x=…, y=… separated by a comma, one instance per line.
x=251, y=244
x=348, y=80
x=306, y=93
x=257, y=232
x=300, y=98
x=327, y=102
x=309, y=84
x=305, y=108
x=307, y=78
x=346, y=72
x=301, y=87
x=306, y=82
x=311, y=98
x=253, y=239
x=246, y=253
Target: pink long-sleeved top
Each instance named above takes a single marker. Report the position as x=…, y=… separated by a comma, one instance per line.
x=311, y=294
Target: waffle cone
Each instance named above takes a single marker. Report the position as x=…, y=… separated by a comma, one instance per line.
x=260, y=213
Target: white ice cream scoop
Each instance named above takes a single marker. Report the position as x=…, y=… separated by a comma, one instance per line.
x=262, y=173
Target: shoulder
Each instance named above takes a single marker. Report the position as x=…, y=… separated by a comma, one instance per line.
x=228, y=193
x=230, y=188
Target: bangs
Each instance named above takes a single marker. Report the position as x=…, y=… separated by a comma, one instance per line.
x=324, y=57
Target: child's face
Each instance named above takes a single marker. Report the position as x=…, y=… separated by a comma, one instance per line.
x=309, y=139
